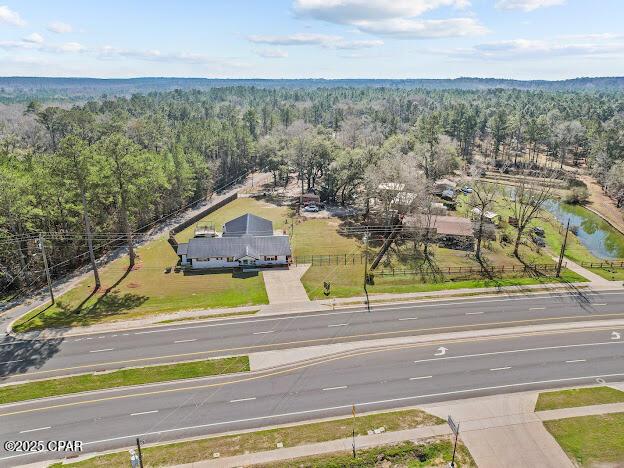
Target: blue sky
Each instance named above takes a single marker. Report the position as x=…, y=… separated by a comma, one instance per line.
x=525, y=39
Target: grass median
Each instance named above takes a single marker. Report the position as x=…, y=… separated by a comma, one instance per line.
x=237, y=444
x=431, y=453
x=575, y=397
x=591, y=440
x=122, y=378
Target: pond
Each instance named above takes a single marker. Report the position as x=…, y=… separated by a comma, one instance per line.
x=598, y=236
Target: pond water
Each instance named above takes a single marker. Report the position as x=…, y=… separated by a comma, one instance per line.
x=598, y=236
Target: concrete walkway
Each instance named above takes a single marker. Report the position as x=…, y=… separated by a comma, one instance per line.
x=500, y=431
x=596, y=281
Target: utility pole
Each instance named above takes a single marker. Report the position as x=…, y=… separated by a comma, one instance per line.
x=563, y=247
x=45, y=265
x=138, y=442
x=353, y=432
x=366, y=270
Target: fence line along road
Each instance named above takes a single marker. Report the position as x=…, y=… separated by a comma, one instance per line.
x=616, y=264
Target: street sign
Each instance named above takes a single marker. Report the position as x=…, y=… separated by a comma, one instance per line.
x=454, y=427
x=134, y=459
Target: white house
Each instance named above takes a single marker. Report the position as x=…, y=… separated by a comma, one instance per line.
x=247, y=241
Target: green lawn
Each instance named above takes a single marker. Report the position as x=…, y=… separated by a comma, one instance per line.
x=348, y=282
x=121, y=378
x=591, y=440
x=578, y=397
x=406, y=454
x=236, y=444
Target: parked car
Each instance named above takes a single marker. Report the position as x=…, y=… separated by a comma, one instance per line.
x=467, y=190
x=538, y=231
x=311, y=209
x=539, y=241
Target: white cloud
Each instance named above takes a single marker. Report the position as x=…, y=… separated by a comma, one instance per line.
x=351, y=11
x=11, y=17
x=394, y=18
x=272, y=53
x=71, y=47
x=544, y=49
x=59, y=27
x=323, y=40
x=34, y=38
x=527, y=5
x=423, y=29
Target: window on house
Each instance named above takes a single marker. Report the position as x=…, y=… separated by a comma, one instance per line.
x=270, y=258
x=230, y=259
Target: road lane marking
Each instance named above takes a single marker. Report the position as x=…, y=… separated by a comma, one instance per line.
x=537, y=308
x=500, y=368
x=408, y=318
x=473, y=313
x=186, y=341
x=34, y=430
x=423, y=377
x=576, y=360
x=459, y=301
x=264, y=332
x=320, y=340
x=144, y=412
x=600, y=304
x=334, y=388
x=101, y=350
x=338, y=325
x=340, y=407
x=242, y=399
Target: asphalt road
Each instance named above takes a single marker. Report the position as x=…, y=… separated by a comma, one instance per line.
x=375, y=379
x=27, y=360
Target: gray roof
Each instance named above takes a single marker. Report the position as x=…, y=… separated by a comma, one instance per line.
x=182, y=249
x=248, y=225
x=205, y=247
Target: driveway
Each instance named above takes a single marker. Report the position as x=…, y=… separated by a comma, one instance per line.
x=283, y=285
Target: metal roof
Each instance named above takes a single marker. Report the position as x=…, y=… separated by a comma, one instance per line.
x=237, y=247
x=248, y=225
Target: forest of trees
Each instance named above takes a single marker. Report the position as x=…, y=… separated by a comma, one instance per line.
x=104, y=168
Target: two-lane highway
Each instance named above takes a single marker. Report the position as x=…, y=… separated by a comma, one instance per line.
x=403, y=375
x=20, y=360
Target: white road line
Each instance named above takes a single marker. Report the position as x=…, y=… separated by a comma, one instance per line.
x=500, y=368
x=408, y=318
x=242, y=399
x=473, y=313
x=186, y=341
x=144, y=412
x=599, y=304
x=334, y=388
x=423, y=377
x=33, y=430
x=576, y=360
x=100, y=350
x=338, y=325
x=421, y=304
x=537, y=308
x=494, y=353
x=264, y=332
x=341, y=407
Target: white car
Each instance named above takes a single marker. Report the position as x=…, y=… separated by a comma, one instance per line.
x=311, y=209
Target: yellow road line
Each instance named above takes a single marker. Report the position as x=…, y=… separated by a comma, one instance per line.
x=321, y=340
x=264, y=374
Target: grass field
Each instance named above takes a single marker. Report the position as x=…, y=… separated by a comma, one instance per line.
x=122, y=378
x=578, y=397
x=197, y=450
x=591, y=440
x=407, y=454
